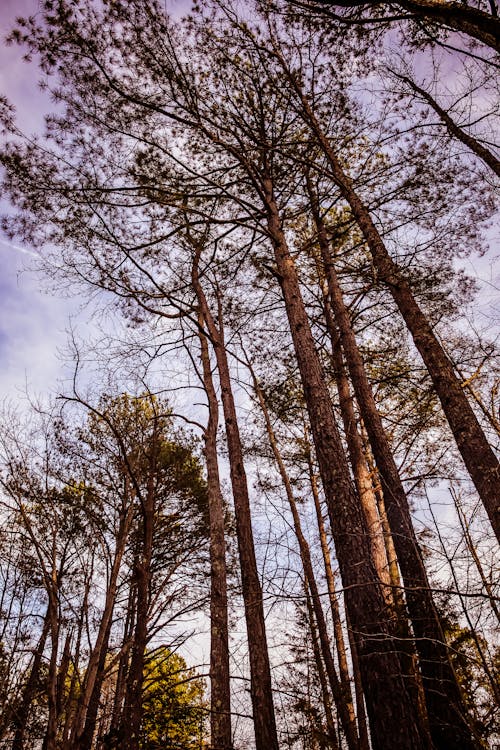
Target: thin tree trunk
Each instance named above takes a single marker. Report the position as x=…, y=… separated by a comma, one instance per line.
x=85, y=740
x=132, y=709
x=331, y=739
x=220, y=693
x=477, y=454
x=447, y=715
x=50, y=739
x=266, y=737
x=343, y=700
x=20, y=716
x=473, y=552
x=364, y=742
x=393, y=720
x=358, y=687
x=100, y=645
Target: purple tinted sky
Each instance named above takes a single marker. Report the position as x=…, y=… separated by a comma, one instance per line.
x=33, y=324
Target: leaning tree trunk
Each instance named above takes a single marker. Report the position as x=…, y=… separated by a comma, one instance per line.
x=447, y=716
x=220, y=693
x=477, y=454
x=341, y=695
x=266, y=737
x=393, y=719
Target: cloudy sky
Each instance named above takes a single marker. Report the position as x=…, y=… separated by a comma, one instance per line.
x=33, y=323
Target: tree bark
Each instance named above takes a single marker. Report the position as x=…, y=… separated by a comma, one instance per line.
x=364, y=742
x=220, y=693
x=477, y=454
x=447, y=716
x=266, y=737
x=343, y=699
x=393, y=720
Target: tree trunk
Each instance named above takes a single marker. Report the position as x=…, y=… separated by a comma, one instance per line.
x=85, y=740
x=220, y=694
x=393, y=719
x=343, y=700
x=447, y=716
x=132, y=708
x=330, y=741
x=266, y=737
x=20, y=717
x=477, y=454
x=364, y=742
x=100, y=645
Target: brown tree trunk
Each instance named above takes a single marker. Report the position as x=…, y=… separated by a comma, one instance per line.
x=92, y=671
x=343, y=700
x=393, y=720
x=477, y=454
x=85, y=740
x=21, y=714
x=220, y=694
x=50, y=739
x=266, y=737
x=364, y=742
x=132, y=708
x=331, y=740
x=359, y=466
x=447, y=717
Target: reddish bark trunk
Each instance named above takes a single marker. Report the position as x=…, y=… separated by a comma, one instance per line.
x=447, y=716
x=220, y=694
x=477, y=454
x=393, y=720
x=266, y=737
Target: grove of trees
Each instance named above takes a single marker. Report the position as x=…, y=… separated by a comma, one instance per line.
x=290, y=448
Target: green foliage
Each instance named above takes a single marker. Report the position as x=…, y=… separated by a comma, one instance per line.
x=174, y=707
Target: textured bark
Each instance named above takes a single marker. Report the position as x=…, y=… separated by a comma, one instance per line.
x=220, y=694
x=393, y=720
x=477, y=454
x=331, y=739
x=266, y=737
x=447, y=716
x=343, y=700
x=364, y=742
x=132, y=709
x=359, y=466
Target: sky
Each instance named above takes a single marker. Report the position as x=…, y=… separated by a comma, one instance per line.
x=33, y=322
